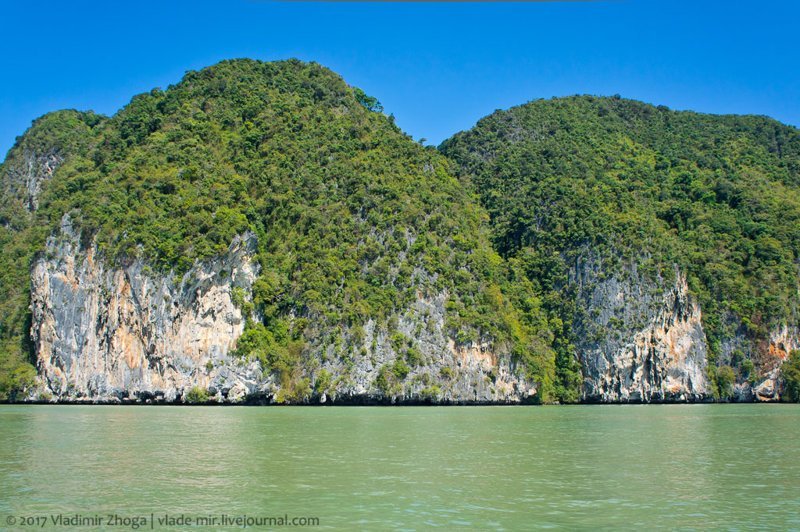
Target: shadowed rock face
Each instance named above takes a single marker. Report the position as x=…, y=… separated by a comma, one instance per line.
x=30, y=173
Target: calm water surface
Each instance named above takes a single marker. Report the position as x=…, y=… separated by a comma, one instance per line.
x=693, y=466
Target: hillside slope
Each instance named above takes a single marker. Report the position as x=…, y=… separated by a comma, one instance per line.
x=611, y=206
x=261, y=231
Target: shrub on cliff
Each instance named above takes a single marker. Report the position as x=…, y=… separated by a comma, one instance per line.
x=196, y=395
x=724, y=379
x=16, y=378
x=790, y=373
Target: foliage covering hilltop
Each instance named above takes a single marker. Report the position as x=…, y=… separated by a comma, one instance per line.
x=353, y=217
x=719, y=196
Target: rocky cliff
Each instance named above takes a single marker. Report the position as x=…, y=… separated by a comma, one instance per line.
x=127, y=334
x=102, y=333
x=438, y=370
x=641, y=339
x=638, y=340
x=766, y=385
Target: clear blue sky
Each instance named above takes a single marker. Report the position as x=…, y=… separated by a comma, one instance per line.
x=437, y=67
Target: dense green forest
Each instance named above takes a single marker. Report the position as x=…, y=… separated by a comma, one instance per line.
x=354, y=219
x=718, y=196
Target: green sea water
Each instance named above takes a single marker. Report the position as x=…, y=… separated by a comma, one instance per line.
x=582, y=467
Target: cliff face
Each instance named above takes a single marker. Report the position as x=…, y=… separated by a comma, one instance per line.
x=638, y=341
x=126, y=334
x=478, y=372
x=115, y=332
x=642, y=340
x=767, y=384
